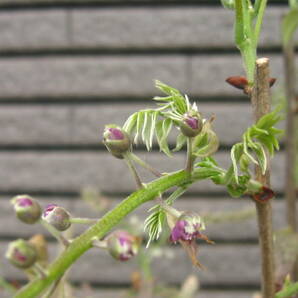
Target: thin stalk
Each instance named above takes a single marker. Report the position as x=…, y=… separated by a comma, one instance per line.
x=84, y=221
x=99, y=243
x=290, y=140
x=190, y=158
x=84, y=242
x=261, y=105
x=55, y=233
x=133, y=170
x=145, y=165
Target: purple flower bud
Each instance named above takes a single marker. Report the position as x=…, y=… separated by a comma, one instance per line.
x=56, y=216
x=116, y=140
x=27, y=209
x=192, y=124
x=187, y=227
x=122, y=245
x=21, y=253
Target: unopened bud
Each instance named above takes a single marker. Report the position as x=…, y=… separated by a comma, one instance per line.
x=21, y=254
x=244, y=162
x=116, y=140
x=27, y=209
x=57, y=216
x=192, y=124
x=122, y=245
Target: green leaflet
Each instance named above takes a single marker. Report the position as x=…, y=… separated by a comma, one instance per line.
x=180, y=141
x=236, y=152
x=162, y=130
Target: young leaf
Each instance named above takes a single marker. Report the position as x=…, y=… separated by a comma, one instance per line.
x=236, y=152
x=180, y=141
x=261, y=155
x=130, y=123
x=162, y=130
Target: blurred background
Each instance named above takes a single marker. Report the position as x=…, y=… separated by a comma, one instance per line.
x=67, y=68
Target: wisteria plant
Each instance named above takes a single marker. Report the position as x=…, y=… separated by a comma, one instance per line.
x=174, y=113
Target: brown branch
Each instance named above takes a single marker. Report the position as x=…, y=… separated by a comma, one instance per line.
x=261, y=105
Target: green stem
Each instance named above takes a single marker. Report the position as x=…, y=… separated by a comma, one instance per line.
x=145, y=165
x=133, y=170
x=288, y=291
x=84, y=242
x=84, y=221
x=259, y=21
x=190, y=158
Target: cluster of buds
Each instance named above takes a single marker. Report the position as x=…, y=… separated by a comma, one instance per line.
x=27, y=209
x=186, y=228
x=57, y=217
x=21, y=254
x=116, y=140
x=191, y=124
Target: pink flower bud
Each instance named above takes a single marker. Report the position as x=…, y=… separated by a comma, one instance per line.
x=21, y=254
x=122, y=245
x=27, y=209
x=116, y=140
x=192, y=124
x=57, y=216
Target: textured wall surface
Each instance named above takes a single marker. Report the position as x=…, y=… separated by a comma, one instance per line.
x=69, y=67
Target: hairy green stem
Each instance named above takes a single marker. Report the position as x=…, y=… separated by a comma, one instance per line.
x=190, y=158
x=84, y=242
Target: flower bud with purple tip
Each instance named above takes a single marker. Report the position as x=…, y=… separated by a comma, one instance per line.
x=187, y=227
x=116, y=140
x=191, y=124
x=57, y=216
x=122, y=245
x=21, y=254
x=27, y=209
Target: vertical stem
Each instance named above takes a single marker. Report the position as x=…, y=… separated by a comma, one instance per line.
x=290, y=185
x=190, y=158
x=261, y=105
